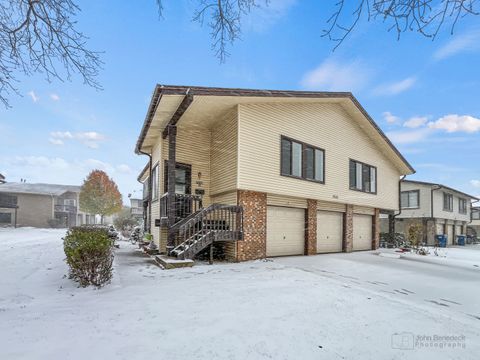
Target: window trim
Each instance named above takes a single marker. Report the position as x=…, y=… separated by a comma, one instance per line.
x=451, y=197
x=354, y=188
x=418, y=199
x=460, y=210
x=304, y=167
x=154, y=195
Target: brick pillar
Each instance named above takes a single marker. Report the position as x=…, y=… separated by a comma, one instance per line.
x=311, y=228
x=254, y=243
x=376, y=230
x=348, y=229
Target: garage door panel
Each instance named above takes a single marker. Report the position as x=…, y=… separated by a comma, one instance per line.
x=362, y=232
x=329, y=231
x=285, y=231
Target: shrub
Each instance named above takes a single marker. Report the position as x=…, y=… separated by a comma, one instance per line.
x=89, y=252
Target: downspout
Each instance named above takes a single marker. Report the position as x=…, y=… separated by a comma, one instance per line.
x=431, y=199
x=394, y=216
x=149, y=209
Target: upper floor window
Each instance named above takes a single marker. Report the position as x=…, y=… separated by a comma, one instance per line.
x=475, y=214
x=447, y=202
x=155, y=183
x=410, y=199
x=69, y=202
x=462, y=206
x=363, y=177
x=302, y=161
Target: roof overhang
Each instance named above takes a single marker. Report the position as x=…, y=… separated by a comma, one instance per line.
x=205, y=105
x=440, y=186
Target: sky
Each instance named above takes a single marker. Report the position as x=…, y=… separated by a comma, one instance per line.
x=424, y=94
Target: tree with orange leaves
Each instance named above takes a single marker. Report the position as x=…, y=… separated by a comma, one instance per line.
x=100, y=195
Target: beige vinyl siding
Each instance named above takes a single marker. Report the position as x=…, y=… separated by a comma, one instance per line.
x=363, y=210
x=193, y=148
x=288, y=201
x=329, y=206
x=424, y=197
x=229, y=198
x=155, y=205
x=327, y=126
x=224, y=154
x=438, y=211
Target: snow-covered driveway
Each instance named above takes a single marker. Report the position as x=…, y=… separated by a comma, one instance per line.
x=341, y=306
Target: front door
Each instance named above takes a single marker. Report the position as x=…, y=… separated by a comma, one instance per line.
x=183, y=178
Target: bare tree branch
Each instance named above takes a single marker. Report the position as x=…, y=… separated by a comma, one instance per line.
x=428, y=17
x=39, y=36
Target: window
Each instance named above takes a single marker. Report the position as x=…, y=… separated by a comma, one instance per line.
x=155, y=183
x=5, y=218
x=69, y=202
x=447, y=202
x=410, y=199
x=302, y=161
x=475, y=214
x=363, y=177
x=7, y=200
x=183, y=178
x=462, y=206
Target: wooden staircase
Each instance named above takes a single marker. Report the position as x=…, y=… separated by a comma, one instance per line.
x=201, y=229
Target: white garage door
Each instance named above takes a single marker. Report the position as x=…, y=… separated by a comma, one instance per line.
x=362, y=232
x=329, y=231
x=285, y=231
x=450, y=234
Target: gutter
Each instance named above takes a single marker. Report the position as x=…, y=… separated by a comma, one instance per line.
x=399, y=197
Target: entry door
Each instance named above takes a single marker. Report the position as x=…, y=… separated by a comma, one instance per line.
x=285, y=231
x=183, y=178
x=362, y=232
x=329, y=231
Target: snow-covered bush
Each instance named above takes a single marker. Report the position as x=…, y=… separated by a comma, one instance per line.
x=89, y=252
x=137, y=234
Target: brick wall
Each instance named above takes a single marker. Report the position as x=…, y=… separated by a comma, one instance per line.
x=254, y=243
x=311, y=228
x=348, y=229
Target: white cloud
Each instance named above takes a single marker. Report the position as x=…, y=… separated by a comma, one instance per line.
x=335, y=76
x=56, y=141
x=61, y=135
x=390, y=118
x=395, y=87
x=124, y=168
x=465, y=42
x=90, y=139
x=416, y=122
x=456, y=123
x=475, y=183
x=56, y=170
x=54, y=97
x=408, y=137
x=261, y=18
x=34, y=96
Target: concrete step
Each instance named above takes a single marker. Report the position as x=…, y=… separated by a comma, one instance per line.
x=172, y=263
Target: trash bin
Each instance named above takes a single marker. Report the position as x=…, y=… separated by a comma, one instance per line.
x=461, y=240
x=441, y=240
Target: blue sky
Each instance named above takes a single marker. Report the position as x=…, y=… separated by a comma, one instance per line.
x=423, y=94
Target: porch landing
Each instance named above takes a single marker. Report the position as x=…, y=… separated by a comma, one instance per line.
x=172, y=263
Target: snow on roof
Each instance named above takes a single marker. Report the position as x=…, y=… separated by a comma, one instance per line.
x=41, y=189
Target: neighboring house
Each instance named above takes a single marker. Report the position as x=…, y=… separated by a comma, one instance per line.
x=474, y=225
x=2, y=179
x=144, y=179
x=37, y=205
x=136, y=208
x=266, y=173
x=437, y=208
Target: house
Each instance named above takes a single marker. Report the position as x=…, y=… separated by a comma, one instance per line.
x=2, y=179
x=473, y=228
x=136, y=208
x=41, y=205
x=265, y=172
x=438, y=209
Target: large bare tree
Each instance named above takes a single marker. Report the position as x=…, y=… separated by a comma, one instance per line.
x=42, y=35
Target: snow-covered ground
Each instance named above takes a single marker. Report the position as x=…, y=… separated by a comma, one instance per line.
x=338, y=306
